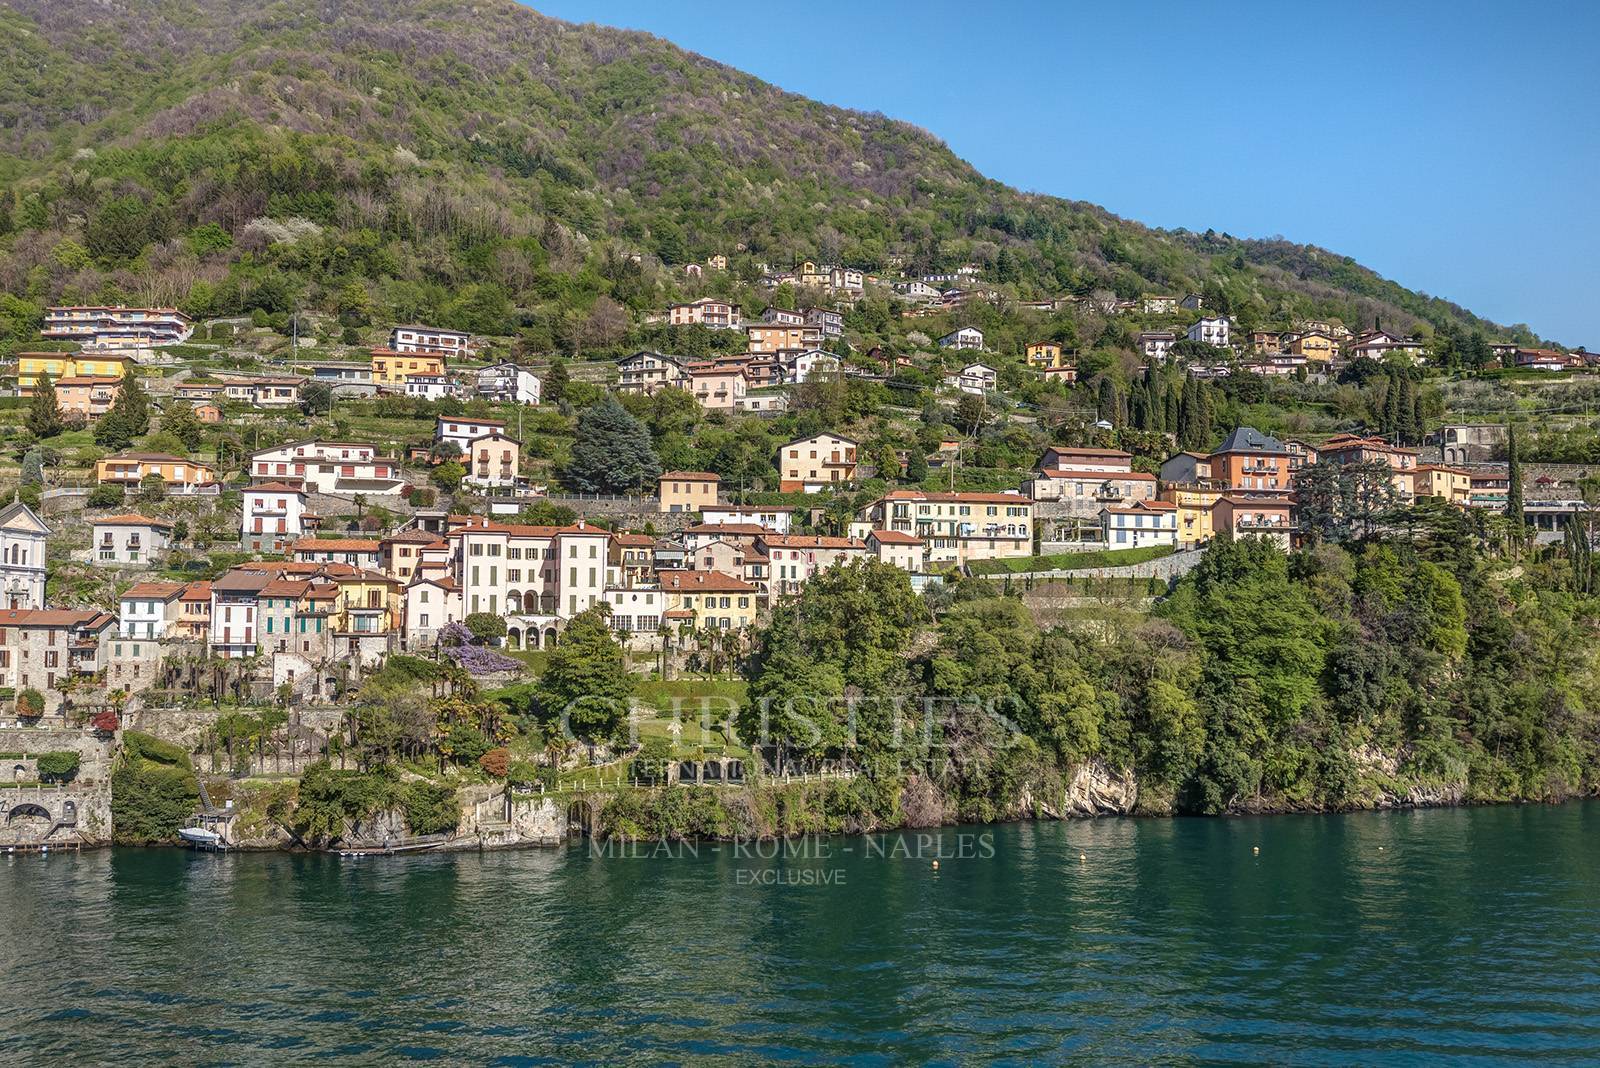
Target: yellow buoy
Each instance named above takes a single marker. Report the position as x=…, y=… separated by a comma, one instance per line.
x=1256, y=850
x=1083, y=858
x=936, y=865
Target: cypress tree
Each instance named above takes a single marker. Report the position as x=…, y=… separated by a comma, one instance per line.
x=1514, y=506
x=44, y=414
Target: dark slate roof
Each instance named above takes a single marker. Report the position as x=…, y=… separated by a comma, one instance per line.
x=1249, y=439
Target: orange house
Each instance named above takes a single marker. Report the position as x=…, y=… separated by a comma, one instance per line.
x=130, y=468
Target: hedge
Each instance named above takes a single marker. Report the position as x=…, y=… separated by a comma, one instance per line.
x=1072, y=561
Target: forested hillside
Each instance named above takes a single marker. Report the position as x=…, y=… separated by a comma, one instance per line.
x=486, y=167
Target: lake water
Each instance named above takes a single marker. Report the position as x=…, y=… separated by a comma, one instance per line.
x=1453, y=936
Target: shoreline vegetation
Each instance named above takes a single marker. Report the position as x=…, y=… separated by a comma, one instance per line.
x=1396, y=669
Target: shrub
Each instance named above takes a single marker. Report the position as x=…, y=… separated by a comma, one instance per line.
x=148, y=747
x=650, y=764
x=106, y=496
x=58, y=765
x=431, y=808
x=30, y=702
x=496, y=763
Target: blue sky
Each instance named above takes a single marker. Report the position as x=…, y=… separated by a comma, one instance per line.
x=1451, y=146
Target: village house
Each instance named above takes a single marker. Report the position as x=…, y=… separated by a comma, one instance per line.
x=687, y=491
x=272, y=516
x=1042, y=354
x=1186, y=468
x=32, y=366
x=129, y=539
x=390, y=368
x=1302, y=454
x=696, y=600
x=507, y=383
x=804, y=366
x=1211, y=330
x=519, y=570
x=1379, y=344
x=809, y=464
x=128, y=469
x=1155, y=304
x=1347, y=449
x=795, y=558
x=1083, y=491
x=103, y=326
x=1264, y=342
x=711, y=312
x=432, y=601
x=43, y=648
x=1315, y=346
x=633, y=556
x=200, y=389
x=413, y=338
x=403, y=553
x=1143, y=523
x=1196, y=509
x=1156, y=344
x=23, y=540
x=329, y=467
x=1067, y=373
x=774, y=517
x=357, y=552
x=717, y=386
x=977, y=379
x=280, y=391
x=1545, y=360
x=492, y=461
x=208, y=413
x=635, y=613
x=87, y=397
x=697, y=537
x=957, y=527
x=1453, y=484
x=648, y=373
x=148, y=610
x=234, y=606
x=823, y=325
x=1245, y=516
x=899, y=549
x=968, y=338
x=775, y=339
x=1467, y=443
x=1250, y=460
x=428, y=387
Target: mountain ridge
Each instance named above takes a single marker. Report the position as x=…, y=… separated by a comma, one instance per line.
x=493, y=120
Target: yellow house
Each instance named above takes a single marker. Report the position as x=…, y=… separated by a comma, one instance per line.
x=1315, y=346
x=130, y=468
x=59, y=365
x=391, y=368
x=696, y=600
x=1451, y=483
x=369, y=603
x=1045, y=354
x=1196, y=509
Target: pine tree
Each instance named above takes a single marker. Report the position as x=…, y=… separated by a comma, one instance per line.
x=612, y=453
x=1405, y=406
x=1389, y=418
x=44, y=414
x=1108, y=401
x=128, y=418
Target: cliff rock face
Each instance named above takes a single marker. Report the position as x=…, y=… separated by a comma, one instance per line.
x=1093, y=790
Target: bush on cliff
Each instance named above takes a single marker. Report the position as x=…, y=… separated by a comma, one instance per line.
x=153, y=791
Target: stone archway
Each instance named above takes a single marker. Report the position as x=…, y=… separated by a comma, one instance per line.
x=513, y=637
x=28, y=810
x=550, y=638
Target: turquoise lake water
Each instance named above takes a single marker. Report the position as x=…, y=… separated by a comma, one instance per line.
x=1467, y=936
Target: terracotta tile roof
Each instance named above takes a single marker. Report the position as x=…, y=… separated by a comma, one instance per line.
x=162, y=590
x=956, y=498
x=702, y=582
x=811, y=541
x=897, y=537
x=692, y=476
x=335, y=545
x=132, y=519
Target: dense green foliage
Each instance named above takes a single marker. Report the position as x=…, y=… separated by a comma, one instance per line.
x=153, y=790
x=400, y=161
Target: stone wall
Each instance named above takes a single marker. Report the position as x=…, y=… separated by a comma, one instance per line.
x=75, y=812
x=1166, y=567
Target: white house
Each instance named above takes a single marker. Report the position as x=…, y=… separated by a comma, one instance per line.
x=428, y=387
x=463, y=430
x=1157, y=344
x=1139, y=524
x=414, y=338
x=492, y=460
x=130, y=539
x=272, y=517
x=968, y=337
x=147, y=609
x=975, y=378
x=22, y=551
x=329, y=467
x=507, y=382
x=812, y=362
x=432, y=602
x=773, y=517
x=1211, y=330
